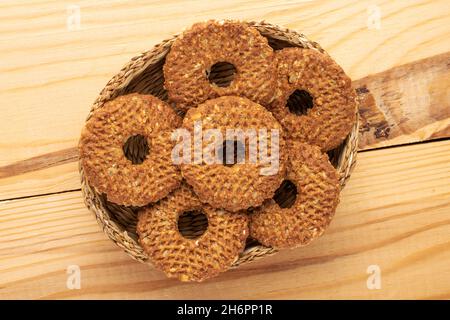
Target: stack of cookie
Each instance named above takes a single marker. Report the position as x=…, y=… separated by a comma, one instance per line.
x=271, y=181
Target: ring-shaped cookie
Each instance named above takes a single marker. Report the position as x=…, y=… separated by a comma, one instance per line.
x=321, y=83
x=317, y=186
x=103, y=159
x=242, y=185
x=191, y=259
x=196, y=50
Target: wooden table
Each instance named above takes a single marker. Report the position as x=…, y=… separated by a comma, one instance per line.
x=394, y=212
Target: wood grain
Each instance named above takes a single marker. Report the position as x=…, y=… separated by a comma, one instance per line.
x=393, y=110
x=394, y=213
x=50, y=75
x=395, y=210
x=405, y=104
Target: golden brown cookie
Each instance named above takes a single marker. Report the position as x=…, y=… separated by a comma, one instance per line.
x=316, y=184
x=322, y=108
x=191, y=259
x=103, y=158
x=196, y=50
x=250, y=180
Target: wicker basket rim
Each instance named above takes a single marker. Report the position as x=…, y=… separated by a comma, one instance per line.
x=135, y=67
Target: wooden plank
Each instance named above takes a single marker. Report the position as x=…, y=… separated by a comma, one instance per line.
x=394, y=213
x=42, y=64
x=393, y=111
x=405, y=104
x=48, y=173
x=51, y=75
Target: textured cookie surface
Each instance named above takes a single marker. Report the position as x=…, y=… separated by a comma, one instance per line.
x=102, y=156
x=332, y=115
x=242, y=185
x=317, y=187
x=191, y=259
x=195, y=51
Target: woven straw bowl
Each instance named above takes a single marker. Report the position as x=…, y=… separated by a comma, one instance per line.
x=143, y=74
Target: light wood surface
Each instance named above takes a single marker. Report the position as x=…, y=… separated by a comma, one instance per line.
x=394, y=212
x=411, y=103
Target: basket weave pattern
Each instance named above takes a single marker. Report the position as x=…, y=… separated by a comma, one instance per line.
x=143, y=74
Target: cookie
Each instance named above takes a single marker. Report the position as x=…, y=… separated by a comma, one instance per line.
x=194, y=259
x=283, y=223
x=104, y=157
x=314, y=100
x=261, y=163
x=197, y=50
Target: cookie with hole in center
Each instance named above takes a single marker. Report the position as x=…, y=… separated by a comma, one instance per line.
x=204, y=251
x=303, y=206
x=125, y=150
x=314, y=100
x=241, y=158
x=217, y=58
